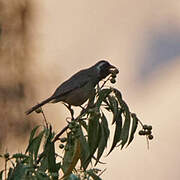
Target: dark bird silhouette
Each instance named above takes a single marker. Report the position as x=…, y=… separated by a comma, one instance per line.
x=78, y=88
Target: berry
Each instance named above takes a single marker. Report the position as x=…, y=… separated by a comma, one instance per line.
x=145, y=127
x=148, y=132
x=149, y=128
x=39, y=110
x=61, y=146
x=142, y=132
x=113, y=80
x=115, y=71
x=63, y=139
x=113, y=75
x=150, y=137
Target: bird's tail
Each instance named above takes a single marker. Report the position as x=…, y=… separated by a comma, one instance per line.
x=39, y=105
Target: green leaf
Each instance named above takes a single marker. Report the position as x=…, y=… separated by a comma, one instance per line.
x=73, y=177
x=104, y=129
x=93, y=175
x=127, y=123
x=31, y=136
x=134, y=127
x=10, y=172
x=114, y=107
x=33, y=148
x=93, y=133
x=85, y=152
x=49, y=152
x=102, y=94
x=117, y=133
x=51, y=157
x=1, y=175
x=117, y=94
x=41, y=175
x=19, y=155
x=71, y=161
x=84, y=125
x=126, y=112
x=44, y=162
x=104, y=124
x=19, y=172
x=49, y=135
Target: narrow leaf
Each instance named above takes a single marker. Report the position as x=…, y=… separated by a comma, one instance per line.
x=10, y=172
x=117, y=94
x=33, y=147
x=31, y=137
x=19, y=155
x=44, y=161
x=93, y=133
x=127, y=123
x=114, y=107
x=41, y=176
x=117, y=133
x=51, y=158
x=1, y=174
x=102, y=94
x=93, y=175
x=73, y=177
x=74, y=159
x=67, y=159
x=19, y=172
x=104, y=123
x=84, y=125
x=126, y=112
x=134, y=127
x=85, y=152
x=36, y=144
x=104, y=130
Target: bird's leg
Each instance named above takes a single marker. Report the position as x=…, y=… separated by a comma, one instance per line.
x=71, y=111
x=83, y=109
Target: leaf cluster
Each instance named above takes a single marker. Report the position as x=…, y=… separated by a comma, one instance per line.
x=80, y=150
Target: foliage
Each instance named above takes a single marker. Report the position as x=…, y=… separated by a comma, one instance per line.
x=83, y=144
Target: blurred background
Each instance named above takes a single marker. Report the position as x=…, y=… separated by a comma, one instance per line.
x=43, y=42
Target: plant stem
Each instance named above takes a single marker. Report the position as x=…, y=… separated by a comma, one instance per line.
x=45, y=120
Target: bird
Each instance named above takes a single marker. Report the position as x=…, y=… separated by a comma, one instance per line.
x=79, y=87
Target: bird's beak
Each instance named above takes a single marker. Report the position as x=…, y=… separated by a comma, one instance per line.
x=113, y=69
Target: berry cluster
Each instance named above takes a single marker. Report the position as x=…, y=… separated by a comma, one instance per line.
x=71, y=136
x=147, y=130
x=113, y=75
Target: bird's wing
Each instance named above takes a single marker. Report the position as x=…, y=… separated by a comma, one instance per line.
x=78, y=80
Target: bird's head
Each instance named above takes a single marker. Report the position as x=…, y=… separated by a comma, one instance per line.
x=104, y=68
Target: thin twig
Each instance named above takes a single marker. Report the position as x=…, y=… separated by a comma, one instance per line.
x=105, y=82
x=60, y=133
x=68, y=106
x=140, y=122
x=67, y=126
x=147, y=142
x=45, y=120
x=102, y=172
